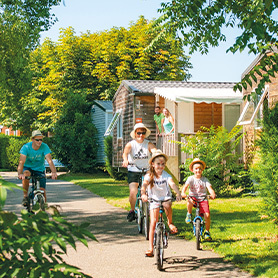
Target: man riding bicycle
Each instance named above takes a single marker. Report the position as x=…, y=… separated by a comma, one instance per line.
x=31, y=162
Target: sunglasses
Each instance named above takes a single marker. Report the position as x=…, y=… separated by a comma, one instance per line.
x=141, y=133
x=38, y=140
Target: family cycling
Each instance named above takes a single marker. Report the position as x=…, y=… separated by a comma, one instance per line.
x=157, y=184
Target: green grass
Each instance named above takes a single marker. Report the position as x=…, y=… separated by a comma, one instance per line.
x=240, y=234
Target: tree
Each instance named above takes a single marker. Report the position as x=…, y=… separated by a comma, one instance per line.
x=75, y=135
x=20, y=25
x=97, y=63
x=202, y=23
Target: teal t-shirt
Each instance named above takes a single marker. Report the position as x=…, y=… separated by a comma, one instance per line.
x=35, y=158
x=158, y=119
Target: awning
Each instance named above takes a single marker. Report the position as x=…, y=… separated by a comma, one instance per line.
x=218, y=95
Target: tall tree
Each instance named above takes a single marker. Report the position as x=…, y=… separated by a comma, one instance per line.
x=97, y=63
x=203, y=23
x=21, y=22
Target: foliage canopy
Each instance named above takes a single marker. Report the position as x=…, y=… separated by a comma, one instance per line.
x=20, y=25
x=95, y=63
x=203, y=23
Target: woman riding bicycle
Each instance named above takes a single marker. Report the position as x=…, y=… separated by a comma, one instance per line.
x=136, y=155
x=157, y=183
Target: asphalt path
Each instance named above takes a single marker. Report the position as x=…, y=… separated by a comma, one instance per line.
x=120, y=250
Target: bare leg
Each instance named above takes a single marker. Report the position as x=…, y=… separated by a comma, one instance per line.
x=153, y=220
x=25, y=183
x=189, y=207
x=207, y=220
x=133, y=189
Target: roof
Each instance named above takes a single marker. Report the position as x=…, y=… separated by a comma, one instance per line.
x=181, y=90
x=257, y=61
x=105, y=105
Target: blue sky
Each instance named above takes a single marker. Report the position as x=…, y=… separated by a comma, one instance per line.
x=100, y=15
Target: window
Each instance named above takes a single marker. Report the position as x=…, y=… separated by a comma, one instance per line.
x=254, y=110
x=113, y=122
x=120, y=127
x=231, y=115
x=7, y=132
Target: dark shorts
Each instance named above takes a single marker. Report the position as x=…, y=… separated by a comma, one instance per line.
x=38, y=174
x=133, y=176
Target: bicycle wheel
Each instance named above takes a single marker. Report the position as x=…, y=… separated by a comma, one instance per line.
x=41, y=202
x=198, y=233
x=159, y=248
x=139, y=212
x=146, y=220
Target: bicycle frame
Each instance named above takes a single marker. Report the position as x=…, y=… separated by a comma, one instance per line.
x=36, y=195
x=160, y=235
x=141, y=208
x=198, y=222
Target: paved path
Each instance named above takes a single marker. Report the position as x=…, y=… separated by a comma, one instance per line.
x=119, y=252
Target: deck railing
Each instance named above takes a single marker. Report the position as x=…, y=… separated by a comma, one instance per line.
x=167, y=145
x=164, y=142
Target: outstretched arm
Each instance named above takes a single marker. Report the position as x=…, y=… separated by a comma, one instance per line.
x=151, y=147
x=22, y=160
x=183, y=194
x=51, y=166
x=125, y=154
x=211, y=192
x=175, y=188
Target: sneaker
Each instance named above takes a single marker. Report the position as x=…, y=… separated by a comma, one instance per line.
x=207, y=236
x=25, y=201
x=188, y=218
x=131, y=216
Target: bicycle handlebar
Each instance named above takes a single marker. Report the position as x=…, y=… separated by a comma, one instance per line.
x=199, y=199
x=142, y=170
x=173, y=199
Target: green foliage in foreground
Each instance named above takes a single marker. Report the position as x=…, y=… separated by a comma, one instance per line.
x=265, y=171
x=26, y=243
x=241, y=232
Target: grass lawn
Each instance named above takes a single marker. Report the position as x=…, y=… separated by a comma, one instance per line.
x=240, y=232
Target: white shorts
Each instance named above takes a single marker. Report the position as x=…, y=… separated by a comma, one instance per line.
x=154, y=205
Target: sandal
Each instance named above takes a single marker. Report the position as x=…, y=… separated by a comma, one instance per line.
x=149, y=253
x=173, y=229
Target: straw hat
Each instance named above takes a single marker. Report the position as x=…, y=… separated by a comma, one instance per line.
x=196, y=160
x=140, y=125
x=157, y=153
x=36, y=133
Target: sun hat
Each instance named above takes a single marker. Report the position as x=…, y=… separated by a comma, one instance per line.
x=196, y=160
x=36, y=133
x=140, y=125
x=157, y=153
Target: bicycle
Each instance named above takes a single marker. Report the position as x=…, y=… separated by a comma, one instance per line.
x=198, y=221
x=160, y=241
x=36, y=195
x=142, y=208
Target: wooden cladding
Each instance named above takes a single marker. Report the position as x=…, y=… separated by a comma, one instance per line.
x=207, y=114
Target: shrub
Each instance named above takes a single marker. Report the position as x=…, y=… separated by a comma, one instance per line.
x=218, y=148
x=108, y=149
x=265, y=171
x=74, y=134
x=4, y=142
x=15, y=144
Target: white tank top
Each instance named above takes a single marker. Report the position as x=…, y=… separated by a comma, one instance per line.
x=139, y=156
